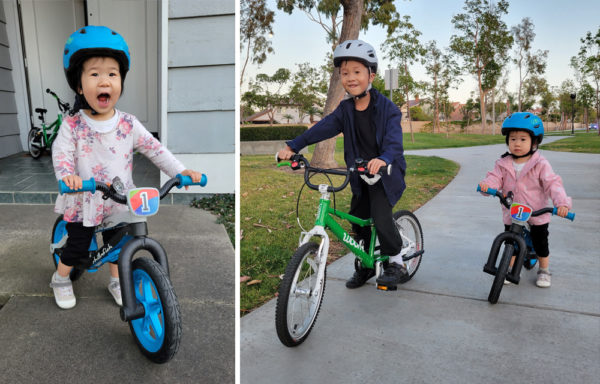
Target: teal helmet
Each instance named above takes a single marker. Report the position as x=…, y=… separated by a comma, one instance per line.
x=91, y=41
x=524, y=121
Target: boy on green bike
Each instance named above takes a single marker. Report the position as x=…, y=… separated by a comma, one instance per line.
x=370, y=123
x=97, y=141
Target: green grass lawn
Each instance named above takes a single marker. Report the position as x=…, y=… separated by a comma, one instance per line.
x=584, y=142
x=269, y=230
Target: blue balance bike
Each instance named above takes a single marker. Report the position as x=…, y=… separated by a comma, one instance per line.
x=149, y=302
x=516, y=241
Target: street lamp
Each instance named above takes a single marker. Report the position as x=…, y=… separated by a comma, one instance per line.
x=573, y=113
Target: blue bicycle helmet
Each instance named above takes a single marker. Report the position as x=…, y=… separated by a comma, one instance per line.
x=524, y=121
x=91, y=41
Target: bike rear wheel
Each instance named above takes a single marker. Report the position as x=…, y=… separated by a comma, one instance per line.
x=300, y=295
x=158, y=333
x=411, y=233
x=35, y=143
x=501, y=272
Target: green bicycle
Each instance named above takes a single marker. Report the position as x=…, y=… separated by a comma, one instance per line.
x=303, y=285
x=40, y=139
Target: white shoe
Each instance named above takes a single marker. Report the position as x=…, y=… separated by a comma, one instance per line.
x=63, y=293
x=543, y=279
x=115, y=290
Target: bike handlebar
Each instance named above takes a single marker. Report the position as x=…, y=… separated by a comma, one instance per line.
x=507, y=201
x=64, y=107
x=92, y=186
x=298, y=161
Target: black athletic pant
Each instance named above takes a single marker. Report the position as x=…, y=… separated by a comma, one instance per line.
x=373, y=203
x=78, y=243
x=539, y=238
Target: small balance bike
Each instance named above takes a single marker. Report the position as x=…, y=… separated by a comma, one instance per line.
x=303, y=285
x=516, y=241
x=149, y=302
x=40, y=139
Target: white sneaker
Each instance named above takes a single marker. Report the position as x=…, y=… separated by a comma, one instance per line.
x=63, y=293
x=543, y=279
x=115, y=290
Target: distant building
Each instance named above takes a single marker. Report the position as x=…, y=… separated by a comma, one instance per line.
x=283, y=114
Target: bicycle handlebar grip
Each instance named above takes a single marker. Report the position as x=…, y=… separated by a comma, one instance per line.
x=490, y=191
x=87, y=186
x=570, y=215
x=184, y=181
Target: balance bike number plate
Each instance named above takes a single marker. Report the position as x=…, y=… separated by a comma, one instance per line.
x=143, y=201
x=520, y=212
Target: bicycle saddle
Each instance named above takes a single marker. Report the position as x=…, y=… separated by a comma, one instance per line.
x=41, y=110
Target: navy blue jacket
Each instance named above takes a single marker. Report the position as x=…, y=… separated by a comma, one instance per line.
x=388, y=134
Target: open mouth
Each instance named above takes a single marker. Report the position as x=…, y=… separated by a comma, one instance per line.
x=103, y=99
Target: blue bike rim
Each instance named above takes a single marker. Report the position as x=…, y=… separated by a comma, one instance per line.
x=150, y=329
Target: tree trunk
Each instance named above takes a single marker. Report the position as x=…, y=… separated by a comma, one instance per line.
x=493, y=113
x=436, y=118
x=481, y=103
x=412, y=135
x=325, y=150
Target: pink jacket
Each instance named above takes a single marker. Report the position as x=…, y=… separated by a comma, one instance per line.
x=536, y=184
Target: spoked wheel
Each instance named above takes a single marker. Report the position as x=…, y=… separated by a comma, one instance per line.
x=412, y=239
x=157, y=333
x=501, y=272
x=300, y=296
x=35, y=143
x=58, y=239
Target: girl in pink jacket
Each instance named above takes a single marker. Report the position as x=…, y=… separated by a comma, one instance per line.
x=530, y=177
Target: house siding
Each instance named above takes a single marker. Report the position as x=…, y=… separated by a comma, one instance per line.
x=9, y=128
x=201, y=87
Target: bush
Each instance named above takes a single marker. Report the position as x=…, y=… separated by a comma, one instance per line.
x=265, y=133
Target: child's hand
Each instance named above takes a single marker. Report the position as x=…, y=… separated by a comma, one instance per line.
x=484, y=187
x=73, y=181
x=562, y=211
x=374, y=165
x=196, y=176
x=286, y=153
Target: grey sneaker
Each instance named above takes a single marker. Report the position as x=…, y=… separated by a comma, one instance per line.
x=63, y=293
x=543, y=279
x=115, y=290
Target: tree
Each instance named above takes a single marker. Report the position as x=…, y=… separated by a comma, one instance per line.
x=356, y=15
x=261, y=96
x=529, y=64
x=589, y=63
x=403, y=46
x=255, y=22
x=308, y=89
x=483, y=39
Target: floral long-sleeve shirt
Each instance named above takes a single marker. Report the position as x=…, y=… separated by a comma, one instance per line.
x=81, y=150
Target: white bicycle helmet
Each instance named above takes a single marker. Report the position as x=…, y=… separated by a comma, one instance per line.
x=355, y=50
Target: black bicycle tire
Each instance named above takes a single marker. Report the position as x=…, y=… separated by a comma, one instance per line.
x=170, y=310
x=42, y=147
x=401, y=213
x=58, y=220
x=501, y=273
x=281, y=310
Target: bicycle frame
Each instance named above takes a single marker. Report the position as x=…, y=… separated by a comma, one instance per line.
x=53, y=128
x=325, y=220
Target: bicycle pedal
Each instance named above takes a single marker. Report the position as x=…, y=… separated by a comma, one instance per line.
x=387, y=287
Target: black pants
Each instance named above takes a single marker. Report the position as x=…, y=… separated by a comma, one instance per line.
x=539, y=238
x=373, y=203
x=78, y=243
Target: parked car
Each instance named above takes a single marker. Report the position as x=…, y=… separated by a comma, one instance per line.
x=593, y=125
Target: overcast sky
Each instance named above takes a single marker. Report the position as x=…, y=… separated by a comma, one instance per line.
x=558, y=26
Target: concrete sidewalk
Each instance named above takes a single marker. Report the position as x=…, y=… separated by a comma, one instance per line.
x=439, y=327
x=44, y=344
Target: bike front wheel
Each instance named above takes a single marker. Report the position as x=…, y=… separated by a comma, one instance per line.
x=300, y=295
x=501, y=272
x=158, y=333
x=35, y=143
x=410, y=231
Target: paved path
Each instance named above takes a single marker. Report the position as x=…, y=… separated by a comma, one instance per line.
x=40, y=343
x=439, y=327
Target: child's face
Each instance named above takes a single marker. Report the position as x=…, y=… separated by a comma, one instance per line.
x=101, y=85
x=355, y=77
x=519, y=142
